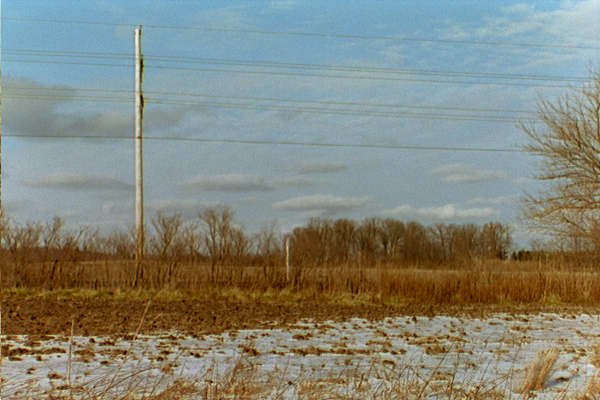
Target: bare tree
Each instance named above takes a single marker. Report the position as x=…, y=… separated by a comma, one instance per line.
x=192, y=241
x=167, y=244
x=569, y=144
x=120, y=244
x=268, y=248
x=166, y=240
x=241, y=244
x=217, y=225
x=494, y=241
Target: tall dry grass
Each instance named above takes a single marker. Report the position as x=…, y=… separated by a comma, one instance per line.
x=539, y=371
x=503, y=284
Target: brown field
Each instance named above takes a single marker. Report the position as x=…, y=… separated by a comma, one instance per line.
x=44, y=298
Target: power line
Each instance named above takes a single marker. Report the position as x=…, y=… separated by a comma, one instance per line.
x=299, y=74
x=332, y=35
x=277, y=99
x=309, y=66
x=130, y=65
x=275, y=142
x=309, y=110
x=359, y=77
x=446, y=117
x=99, y=99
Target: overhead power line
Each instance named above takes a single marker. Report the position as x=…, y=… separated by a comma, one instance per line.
x=274, y=142
x=47, y=97
x=305, y=66
x=297, y=74
x=436, y=116
x=70, y=89
x=308, y=110
x=330, y=35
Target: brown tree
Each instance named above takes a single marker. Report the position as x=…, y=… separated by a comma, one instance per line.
x=568, y=142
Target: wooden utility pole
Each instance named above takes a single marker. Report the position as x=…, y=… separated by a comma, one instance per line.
x=139, y=164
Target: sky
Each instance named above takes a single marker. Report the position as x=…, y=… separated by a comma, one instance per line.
x=284, y=110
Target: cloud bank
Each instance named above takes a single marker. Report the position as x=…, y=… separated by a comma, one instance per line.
x=445, y=212
x=321, y=203
x=228, y=183
x=463, y=173
x=321, y=168
x=75, y=182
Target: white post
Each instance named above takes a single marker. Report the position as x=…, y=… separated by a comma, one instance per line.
x=139, y=171
x=288, y=268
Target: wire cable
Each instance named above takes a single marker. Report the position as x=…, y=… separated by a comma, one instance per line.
x=10, y=88
x=273, y=142
x=331, y=35
x=289, y=65
x=309, y=110
x=299, y=74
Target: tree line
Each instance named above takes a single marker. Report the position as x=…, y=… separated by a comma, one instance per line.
x=216, y=239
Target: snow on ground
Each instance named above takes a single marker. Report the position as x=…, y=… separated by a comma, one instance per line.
x=375, y=358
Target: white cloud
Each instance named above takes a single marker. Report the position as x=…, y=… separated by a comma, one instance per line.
x=494, y=201
x=283, y=5
x=518, y=8
x=321, y=167
x=293, y=181
x=524, y=181
x=322, y=203
x=571, y=21
x=189, y=208
x=463, y=173
x=228, y=16
x=446, y=212
x=228, y=183
x=78, y=182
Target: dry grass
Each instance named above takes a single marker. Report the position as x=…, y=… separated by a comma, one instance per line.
x=180, y=390
x=503, y=283
x=539, y=371
x=592, y=391
x=243, y=381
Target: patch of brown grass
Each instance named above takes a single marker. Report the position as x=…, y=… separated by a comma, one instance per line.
x=505, y=284
x=179, y=390
x=539, y=371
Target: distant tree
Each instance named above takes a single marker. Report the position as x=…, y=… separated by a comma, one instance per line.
x=568, y=142
x=225, y=242
x=166, y=242
x=344, y=246
x=494, y=241
x=217, y=224
x=268, y=247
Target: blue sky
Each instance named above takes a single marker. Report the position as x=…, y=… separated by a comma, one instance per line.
x=187, y=46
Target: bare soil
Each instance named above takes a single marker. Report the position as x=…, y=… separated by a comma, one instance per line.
x=121, y=317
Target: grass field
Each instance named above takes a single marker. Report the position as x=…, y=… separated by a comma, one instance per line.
x=493, y=282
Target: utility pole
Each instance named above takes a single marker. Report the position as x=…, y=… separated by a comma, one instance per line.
x=288, y=268
x=139, y=164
